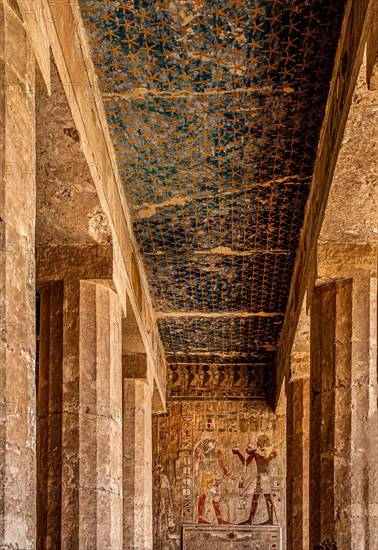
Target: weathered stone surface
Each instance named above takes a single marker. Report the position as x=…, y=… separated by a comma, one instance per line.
x=222, y=538
x=80, y=473
x=69, y=211
x=17, y=286
x=351, y=214
x=297, y=463
x=331, y=496
x=134, y=365
x=137, y=464
x=56, y=263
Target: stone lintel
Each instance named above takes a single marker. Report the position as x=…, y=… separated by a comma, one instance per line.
x=346, y=259
x=74, y=262
x=135, y=365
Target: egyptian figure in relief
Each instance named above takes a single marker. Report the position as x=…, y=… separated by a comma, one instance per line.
x=211, y=470
x=263, y=456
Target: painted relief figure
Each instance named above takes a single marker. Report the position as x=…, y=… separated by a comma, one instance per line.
x=263, y=458
x=211, y=469
x=166, y=505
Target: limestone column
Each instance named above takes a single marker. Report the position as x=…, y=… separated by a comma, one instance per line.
x=331, y=413
x=137, y=454
x=17, y=285
x=364, y=424
x=297, y=460
x=358, y=263
x=80, y=399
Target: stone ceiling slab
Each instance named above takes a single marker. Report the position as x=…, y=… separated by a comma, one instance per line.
x=215, y=110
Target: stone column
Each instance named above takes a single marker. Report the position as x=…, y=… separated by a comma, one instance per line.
x=364, y=424
x=49, y=384
x=17, y=285
x=297, y=457
x=137, y=454
x=331, y=412
x=80, y=397
x=358, y=262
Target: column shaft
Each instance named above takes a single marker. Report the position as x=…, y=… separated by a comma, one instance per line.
x=82, y=463
x=49, y=464
x=330, y=417
x=137, y=465
x=17, y=285
x=363, y=419
x=297, y=449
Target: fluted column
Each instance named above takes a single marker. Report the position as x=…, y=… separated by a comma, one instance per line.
x=297, y=457
x=364, y=421
x=331, y=414
x=50, y=378
x=80, y=395
x=17, y=285
x=137, y=454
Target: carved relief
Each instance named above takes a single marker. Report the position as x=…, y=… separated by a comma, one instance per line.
x=223, y=463
x=216, y=381
x=242, y=538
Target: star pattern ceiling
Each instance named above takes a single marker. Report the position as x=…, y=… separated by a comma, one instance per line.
x=215, y=110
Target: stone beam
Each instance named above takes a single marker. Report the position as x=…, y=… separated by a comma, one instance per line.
x=356, y=26
x=216, y=314
x=73, y=60
x=35, y=26
x=55, y=263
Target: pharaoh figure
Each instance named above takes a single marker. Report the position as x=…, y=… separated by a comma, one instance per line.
x=263, y=458
x=212, y=470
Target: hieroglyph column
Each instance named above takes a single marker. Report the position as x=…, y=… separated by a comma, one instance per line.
x=80, y=400
x=137, y=455
x=17, y=285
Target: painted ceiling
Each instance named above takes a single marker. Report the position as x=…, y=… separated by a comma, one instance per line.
x=215, y=110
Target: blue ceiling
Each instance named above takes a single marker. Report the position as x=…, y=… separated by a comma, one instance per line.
x=215, y=110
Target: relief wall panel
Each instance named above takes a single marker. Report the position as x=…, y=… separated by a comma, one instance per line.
x=218, y=463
